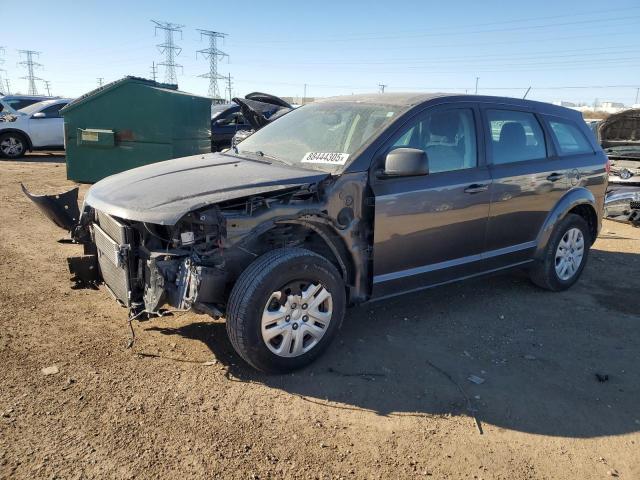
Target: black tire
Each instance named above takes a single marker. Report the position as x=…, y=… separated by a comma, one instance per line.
x=543, y=273
x=18, y=138
x=249, y=296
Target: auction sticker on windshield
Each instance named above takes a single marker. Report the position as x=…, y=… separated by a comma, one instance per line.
x=325, y=158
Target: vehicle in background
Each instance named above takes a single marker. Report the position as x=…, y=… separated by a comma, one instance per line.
x=6, y=110
x=346, y=200
x=233, y=122
x=619, y=136
x=226, y=121
x=38, y=126
x=593, y=124
x=18, y=102
x=259, y=109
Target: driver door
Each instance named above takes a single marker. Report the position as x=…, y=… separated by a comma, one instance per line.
x=431, y=229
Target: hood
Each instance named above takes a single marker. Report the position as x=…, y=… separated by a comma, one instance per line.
x=7, y=113
x=163, y=192
x=620, y=129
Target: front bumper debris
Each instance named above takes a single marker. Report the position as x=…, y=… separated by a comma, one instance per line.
x=62, y=208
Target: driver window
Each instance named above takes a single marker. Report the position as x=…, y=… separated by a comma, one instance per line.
x=53, y=111
x=448, y=137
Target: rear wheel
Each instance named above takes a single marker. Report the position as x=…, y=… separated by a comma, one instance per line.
x=12, y=145
x=285, y=309
x=565, y=256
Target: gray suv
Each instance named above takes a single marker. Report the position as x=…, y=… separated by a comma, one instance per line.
x=339, y=202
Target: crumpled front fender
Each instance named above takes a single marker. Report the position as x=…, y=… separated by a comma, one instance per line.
x=62, y=208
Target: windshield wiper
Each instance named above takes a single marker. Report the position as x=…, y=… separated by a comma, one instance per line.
x=261, y=154
x=252, y=156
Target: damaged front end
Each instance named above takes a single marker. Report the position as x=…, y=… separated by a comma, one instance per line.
x=193, y=263
x=144, y=266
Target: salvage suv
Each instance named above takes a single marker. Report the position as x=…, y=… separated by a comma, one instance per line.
x=339, y=202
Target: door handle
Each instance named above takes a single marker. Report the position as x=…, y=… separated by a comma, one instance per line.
x=554, y=177
x=476, y=188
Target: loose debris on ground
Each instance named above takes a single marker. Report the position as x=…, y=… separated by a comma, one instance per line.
x=389, y=399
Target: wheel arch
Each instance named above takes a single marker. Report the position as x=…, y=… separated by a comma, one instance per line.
x=579, y=201
x=19, y=132
x=335, y=249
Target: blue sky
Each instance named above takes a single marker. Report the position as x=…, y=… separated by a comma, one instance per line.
x=342, y=47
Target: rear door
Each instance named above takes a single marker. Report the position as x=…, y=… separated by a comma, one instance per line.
x=528, y=180
x=431, y=229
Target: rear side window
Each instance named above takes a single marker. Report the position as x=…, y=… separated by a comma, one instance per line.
x=516, y=136
x=571, y=140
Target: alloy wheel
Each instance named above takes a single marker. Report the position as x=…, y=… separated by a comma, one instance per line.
x=569, y=254
x=11, y=146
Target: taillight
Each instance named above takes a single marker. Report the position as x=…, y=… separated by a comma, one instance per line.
x=607, y=166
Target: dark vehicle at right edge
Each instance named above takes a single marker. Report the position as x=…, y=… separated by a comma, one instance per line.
x=619, y=136
x=343, y=201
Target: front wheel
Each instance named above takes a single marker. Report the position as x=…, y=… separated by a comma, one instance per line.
x=285, y=309
x=12, y=145
x=565, y=256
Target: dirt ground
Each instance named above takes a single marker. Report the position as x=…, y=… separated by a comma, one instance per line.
x=389, y=399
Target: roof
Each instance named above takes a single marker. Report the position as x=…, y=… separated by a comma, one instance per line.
x=116, y=84
x=406, y=99
x=411, y=99
x=28, y=97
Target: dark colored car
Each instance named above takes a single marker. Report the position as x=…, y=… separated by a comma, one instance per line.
x=226, y=121
x=233, y=122
x=18, y=102
x=339, y=202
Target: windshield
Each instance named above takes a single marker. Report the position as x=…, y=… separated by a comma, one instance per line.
x=216, y=110
x=18, y=103
x=320, y=136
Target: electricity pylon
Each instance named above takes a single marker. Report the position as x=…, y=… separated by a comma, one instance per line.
x=169, y=49
x=213, y=55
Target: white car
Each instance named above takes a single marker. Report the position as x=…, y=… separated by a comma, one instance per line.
x=36, y=127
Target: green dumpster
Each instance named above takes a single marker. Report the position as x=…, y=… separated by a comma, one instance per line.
x=133, y=122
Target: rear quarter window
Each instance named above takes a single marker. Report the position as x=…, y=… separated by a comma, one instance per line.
x=571, y=141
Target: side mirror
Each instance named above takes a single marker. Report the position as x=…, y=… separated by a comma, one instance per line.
x=406, y=162
x=39, y=115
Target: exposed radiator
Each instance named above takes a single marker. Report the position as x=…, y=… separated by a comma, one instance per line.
x=113, y=264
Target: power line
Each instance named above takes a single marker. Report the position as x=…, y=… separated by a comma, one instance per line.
x=6, y=80
x=467, y=29
x=213, y=55
x=590, y=53
x=169, y=49
x=31, y=65
x=526, y=39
